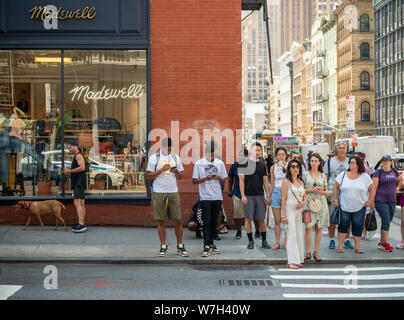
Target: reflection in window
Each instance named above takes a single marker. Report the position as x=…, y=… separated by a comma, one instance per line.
x=365, y=80
x=365, y=111
x=105, y=109
x=364, y=23
x=365, y=51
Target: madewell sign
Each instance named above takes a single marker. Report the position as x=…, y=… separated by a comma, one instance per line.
x=134, y=91
x=41, y=12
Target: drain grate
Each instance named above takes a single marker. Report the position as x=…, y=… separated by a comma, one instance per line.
x=249, y=283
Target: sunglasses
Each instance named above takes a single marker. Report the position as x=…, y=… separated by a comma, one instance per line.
x=294, y=167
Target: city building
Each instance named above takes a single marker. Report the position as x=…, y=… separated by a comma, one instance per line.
x=355, y=66
x=274, y=103
x=285, y=64
x=307, y=56
x=130, y=68
x=299, y=91
x=329, y=30
x=389, y=69
x=295, y=19
x=321, y=7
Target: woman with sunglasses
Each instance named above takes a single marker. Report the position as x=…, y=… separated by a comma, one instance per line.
x=293, y=201
x=386, y=181
x=296, y=155
x=315, y=182
x=356, y=193
x=278, y=174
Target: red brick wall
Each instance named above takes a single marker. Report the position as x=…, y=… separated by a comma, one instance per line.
x=195, y=79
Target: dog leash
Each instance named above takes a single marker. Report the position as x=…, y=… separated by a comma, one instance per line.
x=29, y=204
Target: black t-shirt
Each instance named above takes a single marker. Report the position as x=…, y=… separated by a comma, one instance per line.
x=253, y=180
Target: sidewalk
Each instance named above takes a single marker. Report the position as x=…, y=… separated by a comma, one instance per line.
x=113, y=244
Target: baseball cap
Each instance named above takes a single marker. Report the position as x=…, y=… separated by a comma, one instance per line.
x=295, y=151
x=387, y=157
x=74, y=143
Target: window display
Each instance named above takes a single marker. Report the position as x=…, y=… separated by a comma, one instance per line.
x=105, y=109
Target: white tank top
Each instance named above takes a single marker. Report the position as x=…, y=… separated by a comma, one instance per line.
x=279, y=175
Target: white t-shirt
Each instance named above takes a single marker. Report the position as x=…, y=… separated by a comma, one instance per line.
x=354, y=193
x=211, y=189
x=166, y=182
x=336, y=167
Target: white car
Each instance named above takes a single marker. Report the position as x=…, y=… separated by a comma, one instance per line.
x=112, y=176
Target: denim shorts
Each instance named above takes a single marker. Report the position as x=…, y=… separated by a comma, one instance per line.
x=276, y=198
x=357, y=219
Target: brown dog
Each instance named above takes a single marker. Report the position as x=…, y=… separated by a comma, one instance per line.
x=42, y=207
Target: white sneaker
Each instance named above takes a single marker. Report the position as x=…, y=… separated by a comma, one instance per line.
x=370, y=235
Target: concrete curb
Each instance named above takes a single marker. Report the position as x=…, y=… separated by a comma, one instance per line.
x=197, y=261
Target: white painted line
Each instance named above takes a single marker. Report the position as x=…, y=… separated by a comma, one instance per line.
x=338, y=269
x=340, y=277
x=340, y=286
x=345, y=295
x=8, y=291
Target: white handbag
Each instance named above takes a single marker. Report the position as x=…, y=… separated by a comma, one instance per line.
x=315, y=205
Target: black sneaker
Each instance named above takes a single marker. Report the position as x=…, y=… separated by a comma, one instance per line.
x=163, y=252
x=214, y=250
x=74, y=226
x=265, y=244
x=257, y=235
x=182, y=252
x=79, y=228
x=250, y=245
x=206, y=252
x=238, y=235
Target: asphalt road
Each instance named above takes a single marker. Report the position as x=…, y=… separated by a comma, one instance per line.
x=199, y=282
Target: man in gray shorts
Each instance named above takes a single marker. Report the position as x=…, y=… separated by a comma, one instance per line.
x=253, y=179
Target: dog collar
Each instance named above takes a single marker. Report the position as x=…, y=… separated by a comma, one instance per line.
x=29, y=204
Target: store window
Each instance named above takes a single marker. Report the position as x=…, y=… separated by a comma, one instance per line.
x=105, y=102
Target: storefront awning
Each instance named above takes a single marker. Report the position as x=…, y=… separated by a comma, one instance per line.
x=251, y=4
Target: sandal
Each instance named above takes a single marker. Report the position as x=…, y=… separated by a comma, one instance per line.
x=340, y=251
x=276, y=246
x=359, y=250
x=293, y=266
x=300, y=265
x=307, y=256
x=316, y=256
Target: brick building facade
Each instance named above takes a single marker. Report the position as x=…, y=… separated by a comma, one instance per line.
x=195, y=79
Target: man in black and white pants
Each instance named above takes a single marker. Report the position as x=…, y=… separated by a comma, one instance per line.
x=208, y=174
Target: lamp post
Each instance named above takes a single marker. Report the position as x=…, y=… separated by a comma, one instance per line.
x=290, y=66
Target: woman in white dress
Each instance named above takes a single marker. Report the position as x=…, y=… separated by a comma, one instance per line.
x=293, y=201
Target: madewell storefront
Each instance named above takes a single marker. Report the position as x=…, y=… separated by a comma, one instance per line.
x=74, y=70
x=107, y=72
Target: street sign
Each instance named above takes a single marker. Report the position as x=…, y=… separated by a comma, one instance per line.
x=350, y=113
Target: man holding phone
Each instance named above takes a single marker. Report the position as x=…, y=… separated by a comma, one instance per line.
x=164, y=168
x=209, y=173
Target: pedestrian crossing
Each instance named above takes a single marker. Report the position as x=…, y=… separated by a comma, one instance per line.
x=347, y=282
x=8, y=291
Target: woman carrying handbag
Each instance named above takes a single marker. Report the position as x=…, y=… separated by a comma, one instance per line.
x=293, y=201
x=357, y=192
x=316, y=185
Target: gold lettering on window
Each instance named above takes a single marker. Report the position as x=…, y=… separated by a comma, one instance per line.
x=39, y=13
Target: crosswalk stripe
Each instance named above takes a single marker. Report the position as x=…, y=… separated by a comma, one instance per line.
x=340, y=277
x=340, y=286
x=7, y=291
x=345, y=295
x=339, y=269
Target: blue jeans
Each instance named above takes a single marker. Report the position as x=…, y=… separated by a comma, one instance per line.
x=356, y=218
x=386, y=212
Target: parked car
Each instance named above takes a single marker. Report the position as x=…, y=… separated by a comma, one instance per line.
x=112, y=176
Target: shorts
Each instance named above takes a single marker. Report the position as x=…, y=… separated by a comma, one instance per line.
x=276, y=198
x=79, y=192
x=170, y=208
x=256, y=208
x=238, y=208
